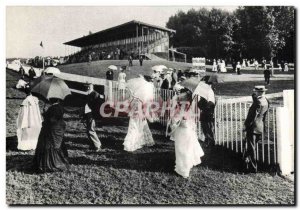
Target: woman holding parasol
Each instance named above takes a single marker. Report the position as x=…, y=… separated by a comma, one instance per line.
x=139, y=134
x=51, y=154
x=182, y=129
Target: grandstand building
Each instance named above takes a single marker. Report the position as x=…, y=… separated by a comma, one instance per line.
x=131, y=38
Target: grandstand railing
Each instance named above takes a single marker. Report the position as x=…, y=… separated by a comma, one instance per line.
x=230, y=115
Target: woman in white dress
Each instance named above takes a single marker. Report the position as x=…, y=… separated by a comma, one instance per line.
x=139, y=134
x=183, y=130
x=122, y=83
x=29, y=122
x=214, y=67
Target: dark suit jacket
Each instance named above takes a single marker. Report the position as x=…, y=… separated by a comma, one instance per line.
x=207, y=110
x=256, y=115
x=165, y=84
x=110, y=75
x=95, y=101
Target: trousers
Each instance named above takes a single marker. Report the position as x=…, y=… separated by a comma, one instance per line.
x=91, y=133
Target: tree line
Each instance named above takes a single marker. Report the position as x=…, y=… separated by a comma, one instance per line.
x=254, y=32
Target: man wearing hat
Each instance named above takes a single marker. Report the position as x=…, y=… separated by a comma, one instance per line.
x=254, y=126
x=91, y=111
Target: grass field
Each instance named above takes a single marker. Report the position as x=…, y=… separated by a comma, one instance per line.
x=99, y=68
x=146, y=176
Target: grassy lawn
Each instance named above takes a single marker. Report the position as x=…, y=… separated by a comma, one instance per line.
x=99, y=68
x=146, y=176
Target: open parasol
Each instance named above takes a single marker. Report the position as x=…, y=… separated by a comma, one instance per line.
x=141, y=89
x=198, y=88
x=113, y=67
x=51, y=87
x=159, y=68
x=52, y=70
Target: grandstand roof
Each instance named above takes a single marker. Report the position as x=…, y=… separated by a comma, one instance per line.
x=125, y=30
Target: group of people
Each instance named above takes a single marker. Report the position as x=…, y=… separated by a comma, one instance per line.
x=219, y=66
x=45, y=132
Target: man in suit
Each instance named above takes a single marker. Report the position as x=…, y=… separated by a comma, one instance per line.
x=110, y=74
x=267, y=75
x=91, y=111
x=207, y=107
x=31, y=73
x=254, y=126
x=22, y=71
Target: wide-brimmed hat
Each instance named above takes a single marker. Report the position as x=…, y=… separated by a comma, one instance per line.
x=260, y=88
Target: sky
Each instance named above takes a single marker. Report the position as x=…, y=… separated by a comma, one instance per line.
x=28, y=26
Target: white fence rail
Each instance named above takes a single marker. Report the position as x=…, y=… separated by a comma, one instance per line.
x=229, y=129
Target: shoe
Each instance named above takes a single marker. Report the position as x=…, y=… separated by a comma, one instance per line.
x=98, y=149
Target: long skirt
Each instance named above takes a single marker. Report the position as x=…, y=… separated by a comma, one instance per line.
x=187, y=148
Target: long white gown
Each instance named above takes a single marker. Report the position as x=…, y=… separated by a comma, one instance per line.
x=188, y=151
x=138, y=134
x=29, y=123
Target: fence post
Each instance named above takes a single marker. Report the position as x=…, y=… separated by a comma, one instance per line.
x=285, y=133
x=283, y=147
x=109, y=91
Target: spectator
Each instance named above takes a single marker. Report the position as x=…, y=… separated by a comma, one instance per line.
x=238, y=68
x=264, y=63
x=29, y=122
x=267, y=74
x=130, y=60
x=91, y=111
x=234, y=65
x=286, y=66
x=31, y=73
x=22, y=71
x=110, y=74
x=180, y=74
x=51, y=154
x=141, y=60
x=214, y=67
x=255, y=64
x=254, y=126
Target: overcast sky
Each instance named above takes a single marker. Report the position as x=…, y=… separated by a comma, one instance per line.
x=27, y=26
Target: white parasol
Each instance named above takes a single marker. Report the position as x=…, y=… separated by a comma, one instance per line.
x=159, y=68
x=141, y=89
x=52, y=70
x=113, y=67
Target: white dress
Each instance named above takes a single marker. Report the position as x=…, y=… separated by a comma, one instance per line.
x=214, y=68
x=187, y=148
x=121, y=81
x=29, y=123
x=138, y=134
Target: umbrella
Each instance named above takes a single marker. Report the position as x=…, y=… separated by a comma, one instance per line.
x=141, y=89
x=113, y=67
x=39, y=79
x=159, y=68
x=198, y=88
x=52, y=70
x=215, y=79
x=51, y=87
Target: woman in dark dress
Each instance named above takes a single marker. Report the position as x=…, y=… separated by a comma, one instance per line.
x=51, y=154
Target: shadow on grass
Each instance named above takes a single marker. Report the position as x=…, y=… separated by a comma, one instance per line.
x=11, y=143
x=222, y=159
